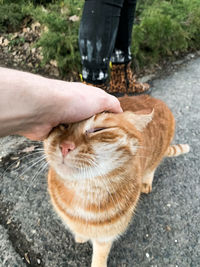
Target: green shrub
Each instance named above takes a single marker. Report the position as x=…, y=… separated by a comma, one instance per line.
x=60, y=40
x=165, y=28
x=11, y=15
x=42, y=2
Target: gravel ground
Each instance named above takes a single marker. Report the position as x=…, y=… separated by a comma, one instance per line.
x=165, y=231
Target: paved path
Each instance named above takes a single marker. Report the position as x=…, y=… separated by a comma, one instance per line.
x=165, y=231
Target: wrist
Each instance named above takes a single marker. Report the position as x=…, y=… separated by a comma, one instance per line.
x=21, y=102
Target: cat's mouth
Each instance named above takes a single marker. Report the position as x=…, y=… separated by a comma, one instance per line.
x=74, y=168
x=73, y=162
x=78, y=163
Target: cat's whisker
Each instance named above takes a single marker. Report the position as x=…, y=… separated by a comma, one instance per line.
x=17, y=160
x=40, y=169
x=108, y=191
x=89, y=182
x=39, y=149
x=94, y=181
x=22, y=197
x=85, y=201
x=83, y=162
x=110, y=184
x=112, y=188
x=33, y=160
x=42, y=158
x=105, y=185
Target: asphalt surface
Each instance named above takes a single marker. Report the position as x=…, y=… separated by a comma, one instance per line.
x=165, y=231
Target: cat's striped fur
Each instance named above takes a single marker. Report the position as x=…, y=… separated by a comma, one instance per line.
x=100, y=166
x=176, y=150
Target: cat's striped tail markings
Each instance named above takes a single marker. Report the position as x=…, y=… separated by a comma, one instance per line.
x=176, y=150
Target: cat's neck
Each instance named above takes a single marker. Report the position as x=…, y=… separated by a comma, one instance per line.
x=96, y=181
x=114, y=192
x=103, y=185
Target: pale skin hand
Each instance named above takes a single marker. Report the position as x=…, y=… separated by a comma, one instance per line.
x=31, y=105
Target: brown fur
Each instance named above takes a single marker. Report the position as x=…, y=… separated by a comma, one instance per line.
x=95, y=188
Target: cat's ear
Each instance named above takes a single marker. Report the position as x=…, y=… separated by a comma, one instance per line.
x=140, y=119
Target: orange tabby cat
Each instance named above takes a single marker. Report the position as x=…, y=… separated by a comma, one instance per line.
x=100, y=166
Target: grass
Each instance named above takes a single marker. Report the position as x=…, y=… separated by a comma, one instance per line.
x=163, y=29
x=60, y=41
x=166, y=29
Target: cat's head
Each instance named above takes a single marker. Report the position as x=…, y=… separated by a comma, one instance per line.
x=96, y=146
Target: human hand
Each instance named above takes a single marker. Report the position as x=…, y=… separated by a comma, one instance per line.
x=79, y=101
x=31, y=105
x=70, y=102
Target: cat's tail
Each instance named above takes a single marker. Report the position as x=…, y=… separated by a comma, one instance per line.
x=176, y=150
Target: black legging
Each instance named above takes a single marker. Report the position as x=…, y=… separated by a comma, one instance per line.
x=104, y=35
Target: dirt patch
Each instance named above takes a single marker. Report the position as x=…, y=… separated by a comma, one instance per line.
x=18, y=50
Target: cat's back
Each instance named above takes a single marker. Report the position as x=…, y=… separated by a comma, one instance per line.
x=162, y=115
x=142, y=102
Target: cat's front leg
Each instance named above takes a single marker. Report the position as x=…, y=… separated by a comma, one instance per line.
x=147, y=181
x=100, y=253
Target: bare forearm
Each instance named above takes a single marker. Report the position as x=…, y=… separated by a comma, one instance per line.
x=19, y=100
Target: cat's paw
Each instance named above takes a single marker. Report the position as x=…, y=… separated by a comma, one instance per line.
x=79, y=239
x=146, y=188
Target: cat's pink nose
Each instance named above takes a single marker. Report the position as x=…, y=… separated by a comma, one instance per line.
x=66, y=147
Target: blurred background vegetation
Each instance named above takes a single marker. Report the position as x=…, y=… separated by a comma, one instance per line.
x=163, y=29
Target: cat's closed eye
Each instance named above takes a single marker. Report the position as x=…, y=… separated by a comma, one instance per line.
x=94, y=130
x=63, y=127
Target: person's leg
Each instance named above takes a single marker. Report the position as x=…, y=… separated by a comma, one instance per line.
x=121, y=53
x=97, y=35
x=121, y=75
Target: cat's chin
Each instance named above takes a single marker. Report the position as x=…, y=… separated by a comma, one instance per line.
x=63, y=170
x=70, y=173
x=73, y=173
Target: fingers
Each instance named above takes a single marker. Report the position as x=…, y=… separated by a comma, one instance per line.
x=113, y=105
x=106, y=101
